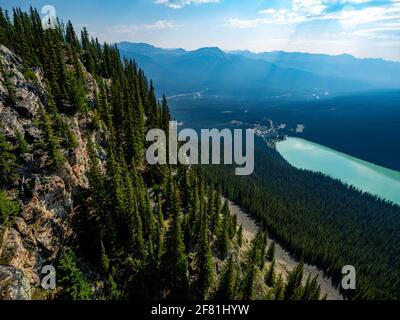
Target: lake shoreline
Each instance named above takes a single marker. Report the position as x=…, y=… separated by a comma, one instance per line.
x=364, y=176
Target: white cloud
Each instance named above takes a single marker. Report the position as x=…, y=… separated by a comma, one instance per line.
x=244, y=24
x=348, y=16
x=309, y=7
x=351, y=18
x=387, y=31
x=179, y=4
x=162, y=24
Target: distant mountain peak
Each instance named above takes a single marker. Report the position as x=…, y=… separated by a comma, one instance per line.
x=147, y=49
x=210, y=50
x=243, y=71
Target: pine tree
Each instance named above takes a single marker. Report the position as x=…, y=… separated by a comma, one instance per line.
x=293, y=285
x=263, y=248
x=98, y=195
x=311, y=290
x=232, y=226
x=226, y=288
x=204, y=261
x=271, y=251
x=52, y=144
x=279, y=289
x=223, y=240
x=139, y=133
x=76, y=94
x=159, y=229
x=23, y=146
x=216, y=220
x=254, y=260
x=240, y=236
x=270, y=275
x=174, y=260
x=104, y=260
x=74, y=283
x=248, y=285
x=152, y=112
x=4, y=26
x=61, y=125
x=165, y=114
x=70, y=36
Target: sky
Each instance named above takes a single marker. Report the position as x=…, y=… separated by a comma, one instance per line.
x=363, y=28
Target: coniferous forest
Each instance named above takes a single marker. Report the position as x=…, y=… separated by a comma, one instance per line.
x=323, y=221
x=132, y=231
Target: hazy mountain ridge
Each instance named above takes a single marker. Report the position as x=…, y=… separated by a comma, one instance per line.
x=247, y=74
x=372, y=70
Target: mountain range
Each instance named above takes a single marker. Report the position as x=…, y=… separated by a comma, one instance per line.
x=256, y=76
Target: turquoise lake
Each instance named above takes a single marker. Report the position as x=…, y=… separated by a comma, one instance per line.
x=363, y=175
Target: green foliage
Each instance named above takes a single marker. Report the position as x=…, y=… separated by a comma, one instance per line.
x=174, y=260
x=23, y=146
x=279, y=289
x=226, y=288
x=30, y=75
x=311, y=290
x=271, y=251
x=104, y=260
x=223, y=241
x=255, y=260
x=114, y=294
x=301, y=210
x=8, y=209
x=270, y=275
x=204, y=261
x=76, y=94
x=8, y=162
x=51, y=142
x=240, y=236
x=138, y=224
x=293, y=287
x=11, y=97
x=75, y=285
x=248, y=284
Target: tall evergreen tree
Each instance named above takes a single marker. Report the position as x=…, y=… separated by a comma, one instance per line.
x=204, y=261
x=293, y=287
x=52, y=144
x=174, y=260
x=271, y=251
x=223, y=241
x=270, y=275
x=226, y=288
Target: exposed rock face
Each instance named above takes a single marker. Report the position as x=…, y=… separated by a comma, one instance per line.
x=14, y=285
x=43, y=227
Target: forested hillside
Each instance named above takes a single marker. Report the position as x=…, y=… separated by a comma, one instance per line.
x=77, y=193
x=320, y=219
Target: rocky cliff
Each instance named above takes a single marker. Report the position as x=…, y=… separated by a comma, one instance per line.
x=43, y=227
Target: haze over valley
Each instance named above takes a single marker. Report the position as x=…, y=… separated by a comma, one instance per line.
x=348, y=104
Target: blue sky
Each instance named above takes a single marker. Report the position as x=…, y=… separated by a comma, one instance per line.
x=364, y=28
